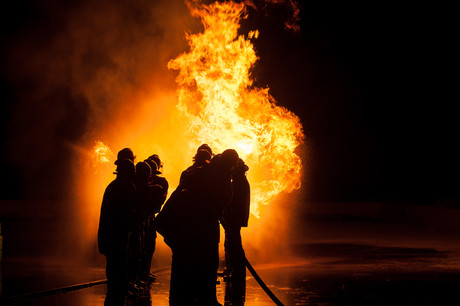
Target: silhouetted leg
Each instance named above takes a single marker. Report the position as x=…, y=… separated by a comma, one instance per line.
x=228, y=268
x=235, y=253
x=145, y=249
x=182, y=278
x=206, y=263
x=116, y=277
x=235, y=292
x=150, y=249
x=134, y=254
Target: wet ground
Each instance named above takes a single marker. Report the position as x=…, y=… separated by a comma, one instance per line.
x=325, y=274
x=340, y=262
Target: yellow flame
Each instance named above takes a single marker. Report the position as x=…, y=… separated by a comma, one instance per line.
x=102, y=154
x=222, y=107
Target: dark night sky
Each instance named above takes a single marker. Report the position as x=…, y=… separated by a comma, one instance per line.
x=368, y=81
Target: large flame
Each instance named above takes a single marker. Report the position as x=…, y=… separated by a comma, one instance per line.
x=223, y=108
x=216, y=103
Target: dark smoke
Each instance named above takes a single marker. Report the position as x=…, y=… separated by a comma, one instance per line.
x=70, y=69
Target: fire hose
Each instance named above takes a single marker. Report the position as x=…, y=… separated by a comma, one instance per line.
x=29, y=296
x=254, y=273
x=261, y=283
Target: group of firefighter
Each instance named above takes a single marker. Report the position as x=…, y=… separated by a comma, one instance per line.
x=214, y=190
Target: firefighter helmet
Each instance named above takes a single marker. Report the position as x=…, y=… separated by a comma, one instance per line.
x=125, y=153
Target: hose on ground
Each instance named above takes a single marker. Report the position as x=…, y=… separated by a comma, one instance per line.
x=261, y=283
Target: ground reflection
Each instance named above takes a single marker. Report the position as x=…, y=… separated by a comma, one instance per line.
x=143, y=300
x=326, y=273
x=235, y=293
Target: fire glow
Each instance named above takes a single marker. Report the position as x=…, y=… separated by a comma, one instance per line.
x=219, y=105
x=223, y=109
x=102, y=153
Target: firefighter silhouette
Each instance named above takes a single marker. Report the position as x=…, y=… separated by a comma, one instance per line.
x=125, y=153
x=200, y=160
x=146, y=204
x=160, y=187
x=236, y=216
x=115, y=223
x=189, y=223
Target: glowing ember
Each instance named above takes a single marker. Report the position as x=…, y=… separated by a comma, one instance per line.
x=102, y=154
x=223, y=109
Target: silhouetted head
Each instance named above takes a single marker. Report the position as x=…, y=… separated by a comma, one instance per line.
x=153, y=165
x=203, y=154
x=125, y=169
x=202, y=157
x=126, y=153
x=157, y=161
x=229, y=159
x=143, y=170
x=240, y=167
x=205, y=147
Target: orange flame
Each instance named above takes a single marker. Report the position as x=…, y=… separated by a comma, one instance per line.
x=222, y=107
x=216, y=103
x=102, y=154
